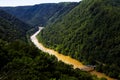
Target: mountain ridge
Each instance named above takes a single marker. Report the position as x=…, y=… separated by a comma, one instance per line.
x=38, y=15
x=12, y=28
x=89, y=33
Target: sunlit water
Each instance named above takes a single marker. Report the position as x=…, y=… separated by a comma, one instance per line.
x=65, y=59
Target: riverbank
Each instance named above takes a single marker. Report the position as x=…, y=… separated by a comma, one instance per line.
x=65, y=59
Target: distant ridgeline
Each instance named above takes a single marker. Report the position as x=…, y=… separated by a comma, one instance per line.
x=12, y=28
x=90, y=32
x=20, y=61
x=39, y=15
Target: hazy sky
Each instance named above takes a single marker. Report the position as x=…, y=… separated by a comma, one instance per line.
x=30, y=2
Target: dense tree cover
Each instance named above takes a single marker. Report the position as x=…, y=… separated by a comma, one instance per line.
x=38, y=15
x=63, y=11
x=12, y=28
x=90, y=33
x=19, y=61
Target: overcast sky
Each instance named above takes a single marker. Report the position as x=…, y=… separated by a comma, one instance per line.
x=30, y=2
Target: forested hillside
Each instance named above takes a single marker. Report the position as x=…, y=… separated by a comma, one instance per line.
x=38, y=15
x=20, y=61
x=12, y=28
x=63, y=11
x=90, y=33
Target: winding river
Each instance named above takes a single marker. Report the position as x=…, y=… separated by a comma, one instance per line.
x=66, y=59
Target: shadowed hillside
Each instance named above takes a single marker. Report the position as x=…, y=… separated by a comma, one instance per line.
x=20, y=61
x=12, y=28
x=39, y=15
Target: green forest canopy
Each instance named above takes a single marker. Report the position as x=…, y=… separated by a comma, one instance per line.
x=90, y=33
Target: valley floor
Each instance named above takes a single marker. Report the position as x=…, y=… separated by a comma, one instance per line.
x=66, y=59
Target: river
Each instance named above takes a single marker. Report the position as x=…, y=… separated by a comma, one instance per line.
x=66, y=59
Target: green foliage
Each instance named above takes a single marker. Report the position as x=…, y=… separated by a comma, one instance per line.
x=19, y=61
x=90, y=33
x=39, y=15
x=12, y=28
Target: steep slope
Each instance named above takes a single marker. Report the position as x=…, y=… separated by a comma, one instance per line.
x=63, y=11
x=12, y=28
x=38, y=15
x=20, y=61
x=90, y=33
